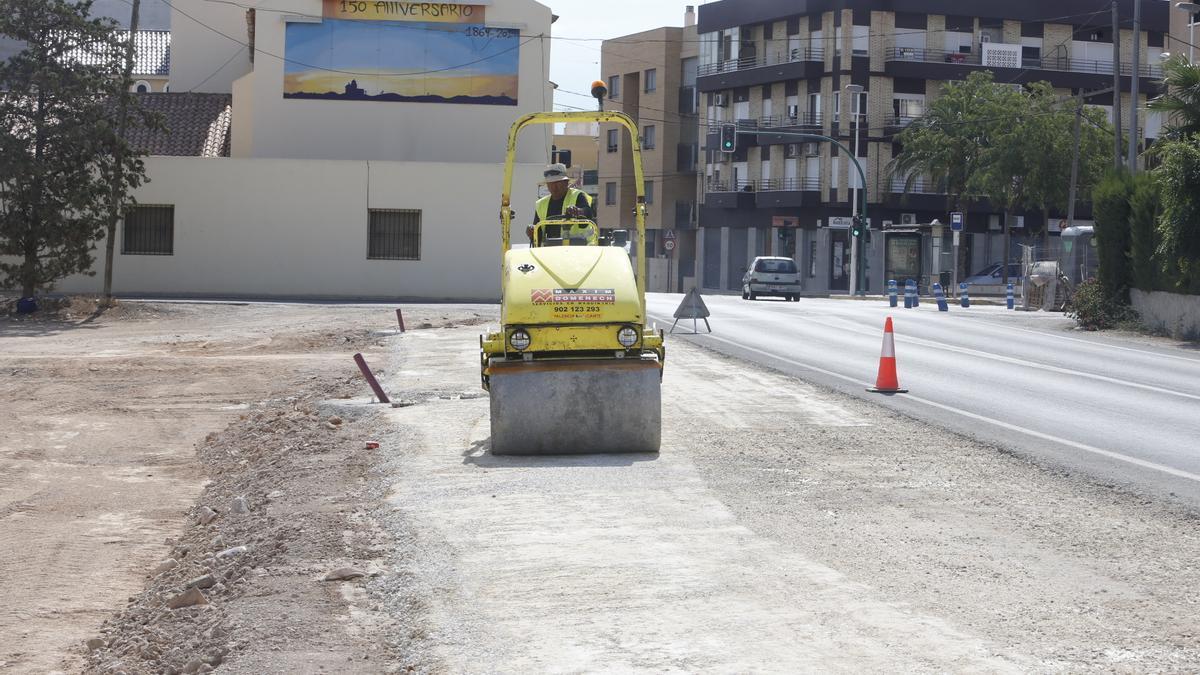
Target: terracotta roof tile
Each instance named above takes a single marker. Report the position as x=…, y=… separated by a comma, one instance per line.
x=198, y=125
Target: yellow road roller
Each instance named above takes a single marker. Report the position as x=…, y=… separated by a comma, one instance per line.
x=574, y=368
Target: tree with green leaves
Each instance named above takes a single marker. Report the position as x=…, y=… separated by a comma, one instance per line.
x=59, y=140
x=1026, y=167
x=946, y=143
x=1111, y=209
x=1181, y=100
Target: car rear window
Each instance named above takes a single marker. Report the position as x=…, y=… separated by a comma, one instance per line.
x=776, y=266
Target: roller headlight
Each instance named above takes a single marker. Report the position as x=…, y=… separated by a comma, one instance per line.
x=627, y=336
x=519, y=340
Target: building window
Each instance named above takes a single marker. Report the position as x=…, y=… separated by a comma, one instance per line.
x=649, y=189
x=651, y=79
x=614, y=86
x=149, y=230
x=858, y=104
x=394, y=234
x=612, y=140
x=142, y=87
x=861, y=41
x=649, y=137
x=610, y=194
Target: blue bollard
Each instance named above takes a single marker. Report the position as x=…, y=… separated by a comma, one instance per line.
x=1009, y=296
x=965, y=300
x=916, y=294
x=910, y=290
x=891, y=292
x=941, y=298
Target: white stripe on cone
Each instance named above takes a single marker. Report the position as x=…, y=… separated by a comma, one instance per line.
x=889, y=346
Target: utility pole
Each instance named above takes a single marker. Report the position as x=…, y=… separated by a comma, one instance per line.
x=1074, y=164
x=1116, y=106
x=1133, y=87
x=118, y=158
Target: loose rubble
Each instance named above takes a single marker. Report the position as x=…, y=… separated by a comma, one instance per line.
x=202, y=606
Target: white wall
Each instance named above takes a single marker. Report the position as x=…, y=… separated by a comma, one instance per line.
x=290, y=228
x=208, y=46
x=1175, y=314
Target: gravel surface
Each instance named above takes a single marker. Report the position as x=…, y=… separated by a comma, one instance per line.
x=782, y=528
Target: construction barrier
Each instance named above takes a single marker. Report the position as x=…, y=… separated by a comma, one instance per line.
x=964, y=299
x=943, y=306
x=892, y=293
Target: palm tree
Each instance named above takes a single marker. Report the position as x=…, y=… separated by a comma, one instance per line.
x=1181, y=101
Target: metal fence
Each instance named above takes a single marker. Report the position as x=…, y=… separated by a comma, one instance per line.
x=1060, y=63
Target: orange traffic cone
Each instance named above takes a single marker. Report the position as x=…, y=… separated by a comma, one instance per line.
x=887, y=382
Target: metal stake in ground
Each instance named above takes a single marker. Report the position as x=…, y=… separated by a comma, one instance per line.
x=400, y=319
x=370, y=377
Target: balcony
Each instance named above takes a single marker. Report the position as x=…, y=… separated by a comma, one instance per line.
x=1000, y=56
x=751, y=62
x=895, y=123
x=784, y=192
x=919, y=186
x=723, y=194
x=796, y=64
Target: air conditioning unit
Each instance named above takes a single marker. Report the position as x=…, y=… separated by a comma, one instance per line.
x=720, y=100
x=791, y=150
x=908, y=219
x=793, y=111
x=812, y=150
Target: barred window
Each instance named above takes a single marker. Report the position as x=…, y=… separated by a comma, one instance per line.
x=149, y=230
x=394, y=234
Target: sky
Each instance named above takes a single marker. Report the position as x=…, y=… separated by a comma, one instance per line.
x=574, y=61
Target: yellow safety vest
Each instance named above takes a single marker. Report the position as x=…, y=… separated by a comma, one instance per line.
x=571, y=199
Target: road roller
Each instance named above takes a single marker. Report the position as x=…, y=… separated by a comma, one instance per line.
x=574, y=368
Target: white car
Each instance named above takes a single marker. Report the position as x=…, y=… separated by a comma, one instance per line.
x=990, y=280
x=769, y=275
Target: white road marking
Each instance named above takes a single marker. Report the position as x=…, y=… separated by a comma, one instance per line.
x=1092, y=343
x=1179, y=473
x=850, y=325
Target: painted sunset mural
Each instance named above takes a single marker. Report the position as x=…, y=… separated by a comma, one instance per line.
x=401, y=61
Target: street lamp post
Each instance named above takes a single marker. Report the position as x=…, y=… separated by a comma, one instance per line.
x=1192, y=10
x=856, y=257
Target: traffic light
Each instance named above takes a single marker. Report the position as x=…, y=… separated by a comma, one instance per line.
x=728, y=137
x=857, y=228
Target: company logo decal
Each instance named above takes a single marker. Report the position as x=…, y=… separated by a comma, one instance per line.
x=554, y=296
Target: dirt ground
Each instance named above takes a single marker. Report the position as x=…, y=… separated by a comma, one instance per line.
x=104, y=456
x=178, y=480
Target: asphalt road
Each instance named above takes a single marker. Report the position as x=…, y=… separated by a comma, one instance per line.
x=1121, y=410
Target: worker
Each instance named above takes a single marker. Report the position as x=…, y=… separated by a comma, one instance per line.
x=563, y=199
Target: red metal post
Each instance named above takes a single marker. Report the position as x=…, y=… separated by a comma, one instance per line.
x=366, y=371
x=400, y=319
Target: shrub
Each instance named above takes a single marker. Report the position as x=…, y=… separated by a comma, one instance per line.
x=1095, y=309
x=1110, y=200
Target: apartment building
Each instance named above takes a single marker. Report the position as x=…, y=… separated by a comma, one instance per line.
x=860, y=71
x=651, y=77
x=578, y=147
